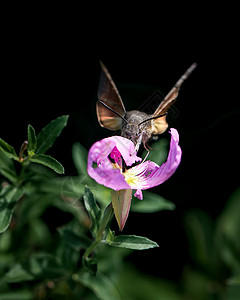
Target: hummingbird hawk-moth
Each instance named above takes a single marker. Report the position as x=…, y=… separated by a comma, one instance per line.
x=135, y=125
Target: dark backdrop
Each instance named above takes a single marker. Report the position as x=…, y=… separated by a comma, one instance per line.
x=50, y=67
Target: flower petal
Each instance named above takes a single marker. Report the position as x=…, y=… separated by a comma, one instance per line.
x=100, y=167
x=167, y=169
x=139, y=194
x=149, y=174
x=126, y=148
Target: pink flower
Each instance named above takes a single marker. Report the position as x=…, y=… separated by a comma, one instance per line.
x=110, y=164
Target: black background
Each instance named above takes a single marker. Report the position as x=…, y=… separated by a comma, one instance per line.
x=50, y=67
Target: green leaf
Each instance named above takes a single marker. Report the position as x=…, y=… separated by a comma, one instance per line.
x=200, y=231
x=17, y=295
x=121, y=201
x=42, y=267
x=73, y=240
x=8, y=150
x=149, y=287
x=99, y=284
x=90, y=264
x=49, y=162
x=92, y=208
x=151, y=203
x=7, y=168
x=32, y=140
x=79, y=154
x=131, y=242
x=48, y=134
x=9, y=195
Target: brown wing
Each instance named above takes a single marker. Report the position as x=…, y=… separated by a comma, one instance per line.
x=109, y=95
x=160, y=124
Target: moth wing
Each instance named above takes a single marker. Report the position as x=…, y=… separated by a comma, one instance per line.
x=109, y=95
x=160, y=124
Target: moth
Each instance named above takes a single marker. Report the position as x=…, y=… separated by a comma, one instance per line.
x=135, y=125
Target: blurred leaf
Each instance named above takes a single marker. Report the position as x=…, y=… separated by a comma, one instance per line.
x=42, y=267
x=92, y=208
x=49, y=162
x=229, y=221
x=7, y=168
x=233, y=292
x=200, y=232
x=102, y=194
x=39, y=233
x=135, y=285
x=90, y=264
x=151, y=203
x=8, y=150
x=73, y=240
x=159, y=151
x=100, y=285
x=5, y=241
x=79, y=154
x=228, y=233
x=234, y=281
x=131, y=242
x=32, y=140
x=17, y=295
x=9, y=195
x=48, y=134
x=196, y=285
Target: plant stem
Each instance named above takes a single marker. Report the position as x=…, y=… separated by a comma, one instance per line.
x=22, y=149
x=107, y=216
x=90, y=248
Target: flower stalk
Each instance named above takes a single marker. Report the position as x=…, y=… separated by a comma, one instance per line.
x=107, y=217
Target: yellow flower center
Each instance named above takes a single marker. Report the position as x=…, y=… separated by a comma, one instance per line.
x=131, y=177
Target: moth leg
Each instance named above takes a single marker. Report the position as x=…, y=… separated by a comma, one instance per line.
x=146, y=147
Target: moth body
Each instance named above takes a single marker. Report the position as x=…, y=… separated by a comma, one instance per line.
x=133, y=131
x=137, y=126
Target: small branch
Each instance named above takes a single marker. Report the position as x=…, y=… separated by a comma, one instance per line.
x=22, y=149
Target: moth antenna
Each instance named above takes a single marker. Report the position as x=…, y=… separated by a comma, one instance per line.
x=104, y=104
x=152, y=118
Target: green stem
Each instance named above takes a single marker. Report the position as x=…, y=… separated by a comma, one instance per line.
x=107, y=216
x=90, y=248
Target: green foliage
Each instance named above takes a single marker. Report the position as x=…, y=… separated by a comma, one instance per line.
x=131, y=242
x=101, y=285
x=49, y=162
x=8, y=150
x=215, y=250
x=92, y=208
x=48, y=134
x=14, y=189
x=56, y=240
x=32, y=140
x=152, y=203
x=9, y=196
x=72, y=260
